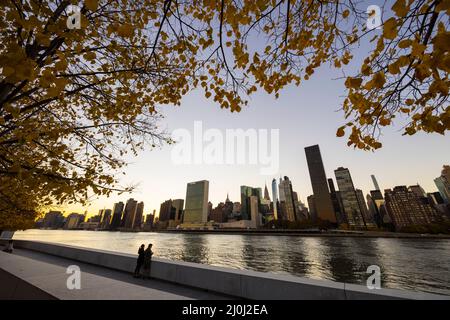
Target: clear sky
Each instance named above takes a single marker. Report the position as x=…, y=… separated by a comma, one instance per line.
x=304, y=115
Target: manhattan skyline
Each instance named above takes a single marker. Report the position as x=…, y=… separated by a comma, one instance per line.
x=403, y=160
x=171, y=184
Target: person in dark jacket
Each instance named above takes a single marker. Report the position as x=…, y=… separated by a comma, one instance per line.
x=147, y=262
x=140, y=260
x=9, y=247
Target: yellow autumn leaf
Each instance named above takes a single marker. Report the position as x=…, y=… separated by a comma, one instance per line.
x=417, y=49
x=393, y=68
x=340, y=131
x=405, y=110
x=377, y=145
x=91, y=4
x=384, y=121
x=61, y=65
x=90, y=56
x=400, y=8
x=7, y=71
x=390, y=29
x=53, y=91
x=402, y=61
x=422, y=72
x=366, y=70
x=379, y=80
x=441, y=41
x=125, y=30
x=353, y=82
x=443, y=6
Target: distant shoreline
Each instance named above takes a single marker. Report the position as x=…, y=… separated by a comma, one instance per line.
x=302, y=233
x=352, y=234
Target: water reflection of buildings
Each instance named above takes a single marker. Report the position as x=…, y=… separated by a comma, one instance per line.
x=251, y=254
x=293, y=261
x=342, y=267
x=386, y=250
x=195, y=248
x=318, y=258
x=315, y=257
x=272, y=254
x=344, y=261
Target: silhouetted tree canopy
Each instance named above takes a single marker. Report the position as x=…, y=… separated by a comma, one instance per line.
x=73, y=102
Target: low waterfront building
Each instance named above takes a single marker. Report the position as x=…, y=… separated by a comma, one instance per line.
x=196, y=226
x=89, y=225
x=238, y=224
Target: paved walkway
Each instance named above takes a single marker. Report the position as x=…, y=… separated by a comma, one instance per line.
x=49, y=274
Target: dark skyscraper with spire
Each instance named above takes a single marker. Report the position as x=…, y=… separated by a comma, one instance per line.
x=266, y=193
x=322, y=199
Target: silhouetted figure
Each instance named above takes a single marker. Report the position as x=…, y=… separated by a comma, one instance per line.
x=9, y=247
x=147, y=262
x=140, y=260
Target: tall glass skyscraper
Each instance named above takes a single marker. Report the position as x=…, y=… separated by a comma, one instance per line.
x=287, y=200
x=275, y=198
x=352, y=207
x=336, y=199
x=117, y=215
x=246, y=193
x=165, y=210
x=178, y=204
x=443, y=183
x=443, y=187
x=106, y=219
x=137, y=223
x=196, y=210
x=363, y=207
x=322, y=199
x=375, y=182
x=129, y=213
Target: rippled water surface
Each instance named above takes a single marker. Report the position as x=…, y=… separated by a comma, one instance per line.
x=413, y=264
